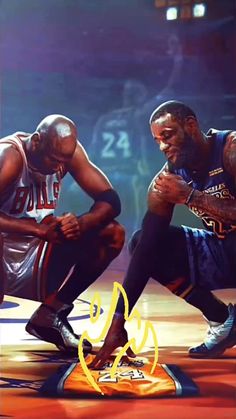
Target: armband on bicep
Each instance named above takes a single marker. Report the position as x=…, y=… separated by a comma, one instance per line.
x=112, y=198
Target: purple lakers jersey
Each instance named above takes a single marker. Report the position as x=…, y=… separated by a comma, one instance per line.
x=216, y=182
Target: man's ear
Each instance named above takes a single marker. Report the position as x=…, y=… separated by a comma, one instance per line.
x=35, y=141
x=191, y=124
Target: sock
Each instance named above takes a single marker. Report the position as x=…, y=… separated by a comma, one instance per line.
x=211, y=307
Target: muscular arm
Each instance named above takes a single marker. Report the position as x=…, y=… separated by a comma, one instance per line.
x=10, y=169
x=222, y=209
x=94, y=183
x=155, y=223
x=156, y=203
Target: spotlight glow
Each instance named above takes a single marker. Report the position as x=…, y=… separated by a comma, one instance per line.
x=171, y=13
x=199, y=10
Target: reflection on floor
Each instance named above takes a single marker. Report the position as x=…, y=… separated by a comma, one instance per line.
x=27, y=362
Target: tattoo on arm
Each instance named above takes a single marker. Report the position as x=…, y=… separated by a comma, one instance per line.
x=223, y=210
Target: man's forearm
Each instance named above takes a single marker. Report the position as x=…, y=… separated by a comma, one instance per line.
x=99, y=215
x=140, y=267
x=105, y=208
x=20, y=226
x=223, y=210
x=135, y=280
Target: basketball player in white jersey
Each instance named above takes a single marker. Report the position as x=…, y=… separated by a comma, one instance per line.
x=47, y=258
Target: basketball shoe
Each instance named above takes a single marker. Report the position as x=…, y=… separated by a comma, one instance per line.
x=220, y=336
x=52, y=326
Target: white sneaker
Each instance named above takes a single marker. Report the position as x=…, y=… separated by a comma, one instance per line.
x=220, y=336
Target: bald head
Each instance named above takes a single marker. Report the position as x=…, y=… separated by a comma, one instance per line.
x=52, y=144
x=58, y=133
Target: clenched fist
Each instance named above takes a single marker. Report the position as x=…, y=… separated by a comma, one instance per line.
x=172, y=188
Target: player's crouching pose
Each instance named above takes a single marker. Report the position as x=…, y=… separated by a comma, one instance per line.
x=201, y=173
x=39, y=250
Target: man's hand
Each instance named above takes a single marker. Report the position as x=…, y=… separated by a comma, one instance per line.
x=69, y=226
x=48, y=231
x=172, y=188
x=116, y=337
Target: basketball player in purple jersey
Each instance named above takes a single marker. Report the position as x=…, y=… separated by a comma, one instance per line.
x=201, y=173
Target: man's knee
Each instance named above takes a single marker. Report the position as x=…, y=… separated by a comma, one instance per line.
x=114, y=235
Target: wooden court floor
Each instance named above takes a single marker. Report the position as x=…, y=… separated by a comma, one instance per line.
x=26, y=362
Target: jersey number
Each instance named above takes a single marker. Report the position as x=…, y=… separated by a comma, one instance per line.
x=112, y=143
x=131, y=374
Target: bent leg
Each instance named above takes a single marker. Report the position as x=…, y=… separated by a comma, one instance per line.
x=175, y=257
x=89, y=257
x=170, y=267
x=98, y=249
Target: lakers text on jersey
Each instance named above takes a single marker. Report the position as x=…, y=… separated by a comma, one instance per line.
x=131, y=379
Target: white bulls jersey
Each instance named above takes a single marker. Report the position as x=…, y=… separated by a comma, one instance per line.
x=34, y=196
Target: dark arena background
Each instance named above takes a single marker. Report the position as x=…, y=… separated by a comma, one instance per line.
x=106, y=64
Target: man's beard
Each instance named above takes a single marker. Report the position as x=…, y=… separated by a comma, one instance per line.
x=188, y=156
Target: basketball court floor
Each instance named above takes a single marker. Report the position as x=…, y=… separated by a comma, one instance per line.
x=27, y=362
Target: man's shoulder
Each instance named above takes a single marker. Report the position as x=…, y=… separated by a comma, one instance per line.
x=11, y=149
x=15, y=137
